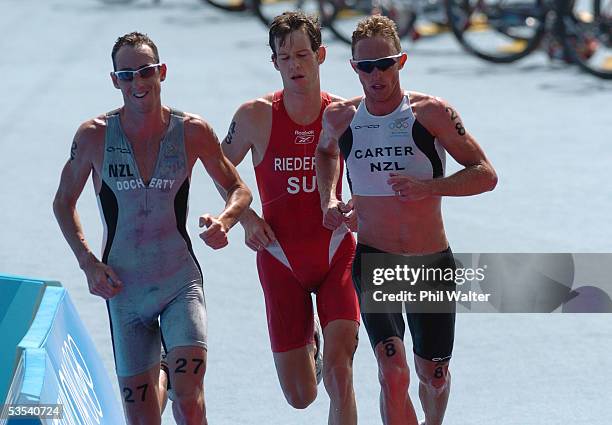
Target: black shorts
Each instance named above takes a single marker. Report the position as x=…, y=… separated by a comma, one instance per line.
x=433, y=334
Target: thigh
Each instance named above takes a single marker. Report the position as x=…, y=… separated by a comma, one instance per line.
x=295, y=369
x=136, y=342
x=336, y=296
x=187, y=366
x=288, y=305
x=139, y=394
x=341, y=338
x=184, y=320
x=433, y=335
x=379, y=326
x=428, y=371
x=391, y=355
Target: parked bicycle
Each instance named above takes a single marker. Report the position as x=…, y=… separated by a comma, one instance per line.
x=503, y=31
x=228, y=5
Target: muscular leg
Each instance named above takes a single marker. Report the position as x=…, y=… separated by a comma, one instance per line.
x=163, y=389
x=340, y=345
x=296, y=374
x=187, y=367
x=395, y=405
x=140, y=396
x=434, y=388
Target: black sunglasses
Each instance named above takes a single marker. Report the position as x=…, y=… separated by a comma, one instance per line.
x=383, y=64
x=146, y=71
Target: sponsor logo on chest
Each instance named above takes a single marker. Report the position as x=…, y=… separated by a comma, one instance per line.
x=304, y=137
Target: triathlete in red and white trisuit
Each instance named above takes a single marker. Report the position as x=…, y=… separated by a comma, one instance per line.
x=306, y=257
x=296, y=255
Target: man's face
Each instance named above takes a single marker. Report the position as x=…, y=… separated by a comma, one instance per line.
x=297, y=63
x=378, y=85
x=140, y=94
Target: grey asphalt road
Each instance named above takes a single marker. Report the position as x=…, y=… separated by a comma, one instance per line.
x=545, y=126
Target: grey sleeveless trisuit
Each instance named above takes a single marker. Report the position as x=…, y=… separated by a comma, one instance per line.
x=147, y=244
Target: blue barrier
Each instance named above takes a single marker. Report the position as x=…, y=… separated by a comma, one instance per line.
x=57, y=363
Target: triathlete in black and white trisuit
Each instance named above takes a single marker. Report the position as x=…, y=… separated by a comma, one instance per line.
x=394, y=145
x=372, y=147
x=147, y=244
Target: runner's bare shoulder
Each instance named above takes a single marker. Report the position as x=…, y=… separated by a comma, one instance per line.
x=198, y=131
x=252, y=121
x=88, y=143
x=433, y=112
x=427, y=108
x=338, y=116
x=255, y=114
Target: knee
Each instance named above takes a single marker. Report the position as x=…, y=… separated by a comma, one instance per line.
x=394, y=379
x=337, y=374
x=436, y=382
x=301, y=398
x=338, y=380
x=187, y=396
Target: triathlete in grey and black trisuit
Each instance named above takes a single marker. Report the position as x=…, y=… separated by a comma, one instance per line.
x=146, y=243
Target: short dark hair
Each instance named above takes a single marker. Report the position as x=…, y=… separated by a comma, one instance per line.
x=376, y=26
x=133, y=39
x=288, y=22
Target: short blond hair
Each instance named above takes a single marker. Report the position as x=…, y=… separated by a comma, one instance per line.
x=376, y=26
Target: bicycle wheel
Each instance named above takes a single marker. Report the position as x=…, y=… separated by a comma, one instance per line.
x=228, y=5
x=498, y=31
x=586, y=32
x=266, y=10
x=343, y=15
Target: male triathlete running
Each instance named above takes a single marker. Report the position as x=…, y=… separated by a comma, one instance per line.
x=296, y=255
x=140, y=157
x=394, y=143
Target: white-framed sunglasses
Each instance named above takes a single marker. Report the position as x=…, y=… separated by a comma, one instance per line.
x=146, y=71
x=368, y=65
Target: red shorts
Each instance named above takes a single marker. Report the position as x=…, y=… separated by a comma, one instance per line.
x=287, y=294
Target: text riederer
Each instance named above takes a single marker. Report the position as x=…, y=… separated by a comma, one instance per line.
x=413, y=275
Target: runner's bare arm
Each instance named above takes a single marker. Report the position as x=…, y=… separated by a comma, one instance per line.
x=240, y=139
x=336, y=119
x=73, y=178
x=444, y=123
x=221, y=170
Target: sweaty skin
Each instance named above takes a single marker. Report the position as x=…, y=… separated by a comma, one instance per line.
x=145, y=122
x=407, y=222
x=287, y=284
x=419, y=228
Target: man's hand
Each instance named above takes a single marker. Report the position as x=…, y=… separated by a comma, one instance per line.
x=408, y=188
x=257, y=233
x=102, y=279
x=336, y=213
x=215, y=235
x=351, y=216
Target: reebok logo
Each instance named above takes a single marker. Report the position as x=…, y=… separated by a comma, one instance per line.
x=304, y=137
